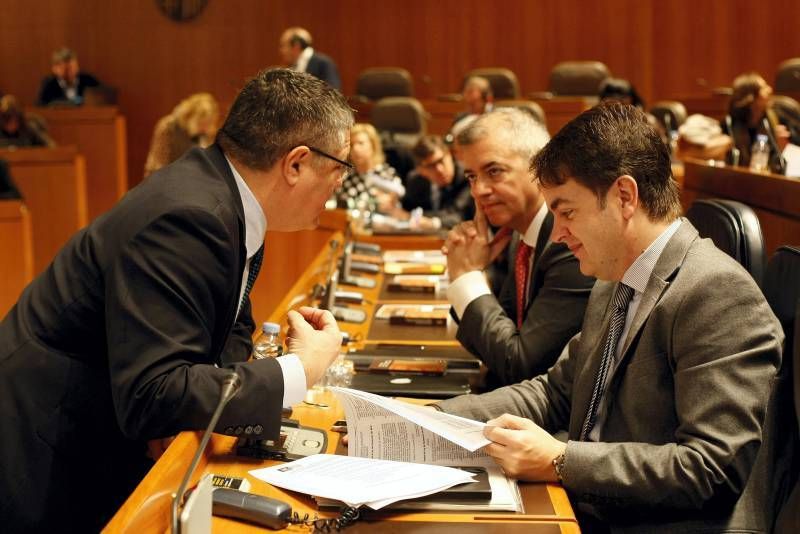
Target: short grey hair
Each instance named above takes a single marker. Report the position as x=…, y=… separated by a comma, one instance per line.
x=280, y=109
x=519, y=131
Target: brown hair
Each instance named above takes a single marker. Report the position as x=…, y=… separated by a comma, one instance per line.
x=426, y=146
x=604, y=143
x=745, y=90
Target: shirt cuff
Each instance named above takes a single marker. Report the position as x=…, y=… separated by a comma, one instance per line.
x=294, y=379
x=465, y=289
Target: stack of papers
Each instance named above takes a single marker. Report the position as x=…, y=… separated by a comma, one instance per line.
x=361, y=481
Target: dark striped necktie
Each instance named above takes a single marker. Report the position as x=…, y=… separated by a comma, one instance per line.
x=622, y=298
x=252, y=274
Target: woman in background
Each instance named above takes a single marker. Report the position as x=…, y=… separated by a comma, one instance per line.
x=750, y=114
x=192, y=123
x=18, y=129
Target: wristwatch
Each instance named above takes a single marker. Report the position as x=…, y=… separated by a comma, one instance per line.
x=558, y=466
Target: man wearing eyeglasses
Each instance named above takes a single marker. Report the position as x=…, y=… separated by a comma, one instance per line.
x=437, y=184
x=519, y=331
x=122, y=338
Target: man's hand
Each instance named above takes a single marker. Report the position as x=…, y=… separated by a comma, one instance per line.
x=157, y=447
x=315, y=339
x=782, y=136
x=468, y=248
x=522, y=448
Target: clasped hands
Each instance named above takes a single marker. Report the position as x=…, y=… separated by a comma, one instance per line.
x=468, y=247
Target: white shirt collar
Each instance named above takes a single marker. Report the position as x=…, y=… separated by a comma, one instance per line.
x=303, y=59
x=638, y=274
x=531, y=235
x=255, y=222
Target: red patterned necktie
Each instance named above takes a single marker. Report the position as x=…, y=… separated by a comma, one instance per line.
x=521, y=273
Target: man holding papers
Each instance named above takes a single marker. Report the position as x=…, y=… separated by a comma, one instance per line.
x=668, y=391
x=520, y=332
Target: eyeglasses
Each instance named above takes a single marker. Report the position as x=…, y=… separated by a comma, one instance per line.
x=347, y=166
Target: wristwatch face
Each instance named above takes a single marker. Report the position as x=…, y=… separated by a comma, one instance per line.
x=181, y=10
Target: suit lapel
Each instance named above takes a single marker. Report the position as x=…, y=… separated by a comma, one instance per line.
x=542, y=247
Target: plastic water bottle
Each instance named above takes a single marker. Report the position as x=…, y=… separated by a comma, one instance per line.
x=268, y=344
x=759, y=154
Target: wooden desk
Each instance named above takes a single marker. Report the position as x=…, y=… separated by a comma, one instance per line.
x=558, y=111
x=53, y=184
x=147, y=509
x=774, y=198
x=99, y=134
x=16, y=242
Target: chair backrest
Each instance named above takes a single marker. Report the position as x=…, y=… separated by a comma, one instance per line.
x=379, y=82
x=734, y=228
x=402, y=117
x=670, y=113
x=578, y=78
x=787, y=78
x=503, y=81
x=782, y=288
x=526, y=105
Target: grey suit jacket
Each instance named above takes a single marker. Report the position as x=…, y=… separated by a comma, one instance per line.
x=557, y=298
x=688, y=444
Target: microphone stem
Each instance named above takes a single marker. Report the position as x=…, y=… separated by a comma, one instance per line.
x=177, y=497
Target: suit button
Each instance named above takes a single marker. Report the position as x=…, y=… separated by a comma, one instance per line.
x=229, y=430
x=248, y=429
x=238, y=430
x=258, y=429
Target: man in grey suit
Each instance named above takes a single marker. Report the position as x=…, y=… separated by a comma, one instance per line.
x=520, y=332
x=668, y=391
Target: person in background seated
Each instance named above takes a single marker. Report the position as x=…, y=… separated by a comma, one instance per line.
x=192, y=123
x=668, y=391
x=749, y=115
x=437, y=185
x=478, y=98
x=67, y=83
x=19, y=129
x=297, y=54
x=519, y=332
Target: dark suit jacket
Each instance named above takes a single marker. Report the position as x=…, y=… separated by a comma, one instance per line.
x=324, y=68
x=51, y=92
x=689, y=443
x=117, y=342
x=557, y=299
x=455, y=205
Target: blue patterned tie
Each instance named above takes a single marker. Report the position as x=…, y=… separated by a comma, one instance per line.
x=622, y=298
x=252, y=274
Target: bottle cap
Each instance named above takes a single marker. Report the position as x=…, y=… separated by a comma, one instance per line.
x=762, y=137
x=271, y=328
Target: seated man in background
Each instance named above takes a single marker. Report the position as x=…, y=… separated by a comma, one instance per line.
x=67, y=84
x=666, y=389
x=297, y=54
x=477, y=96
x=437, y=185
x=520, y=332
x=122, y=338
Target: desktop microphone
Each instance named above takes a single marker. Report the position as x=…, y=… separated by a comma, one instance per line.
x=774, y=144
x=230, y=386
x=736, y=154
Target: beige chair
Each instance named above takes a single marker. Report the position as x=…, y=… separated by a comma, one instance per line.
x=577, y=78
x=527, y=105
x=379, y=82
x=402, y=119
x=503, y=81
x=787, y=80
x=670, y=114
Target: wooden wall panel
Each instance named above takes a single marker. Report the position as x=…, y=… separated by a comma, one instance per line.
x=667, y=48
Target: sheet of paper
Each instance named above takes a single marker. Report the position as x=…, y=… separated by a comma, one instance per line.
x=415, y=256
x=358, y=481
x=458, y=430
x=792, y=155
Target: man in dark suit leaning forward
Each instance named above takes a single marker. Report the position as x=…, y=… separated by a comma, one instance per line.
x=122, y=338
x=520, y=332
x=667, y=391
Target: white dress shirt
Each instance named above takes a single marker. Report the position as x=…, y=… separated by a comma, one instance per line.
x=472, y=284
x=294, y=376
x=637, y=276
x=303, y=59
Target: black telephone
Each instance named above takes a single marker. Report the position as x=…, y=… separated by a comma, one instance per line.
x=295, y=442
